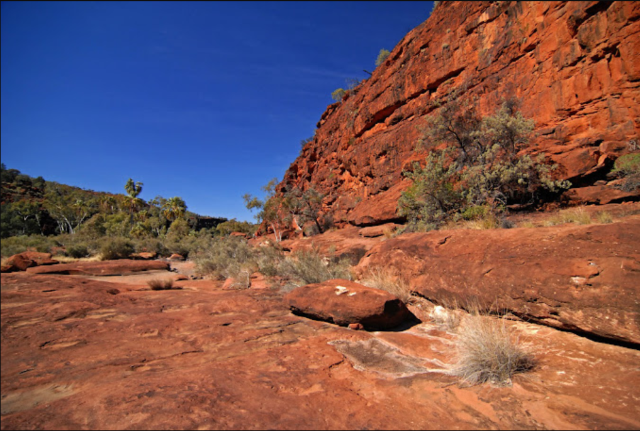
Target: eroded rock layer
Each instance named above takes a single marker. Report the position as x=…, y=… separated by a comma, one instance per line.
x=574, y=65
x=585, y=279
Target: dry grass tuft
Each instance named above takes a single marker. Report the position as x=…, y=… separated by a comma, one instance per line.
x=160, y=284
x=309, y=266
x=604, y=217
x=488, y=351
x=386, y=279
x=576, y=216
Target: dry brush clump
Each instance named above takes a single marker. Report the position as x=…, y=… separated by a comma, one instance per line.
x=310, y=266
x=487, y=350
x=160, y=284
x=227, y=257
x=386, y=279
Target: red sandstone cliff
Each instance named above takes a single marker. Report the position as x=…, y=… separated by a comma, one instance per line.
x=575, y=66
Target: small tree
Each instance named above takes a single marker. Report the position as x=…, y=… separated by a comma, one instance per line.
x=174, y=208
x=270, y=210
x=304, y=206
x=382, y=56
x=338, y=94
x=133, y=189
x=480, y=168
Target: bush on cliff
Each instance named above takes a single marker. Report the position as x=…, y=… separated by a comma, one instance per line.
x=628, y=167
x=480, y=166
x=338, y=94
x=382, y=56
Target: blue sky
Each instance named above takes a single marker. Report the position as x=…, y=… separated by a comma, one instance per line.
x=202, y=100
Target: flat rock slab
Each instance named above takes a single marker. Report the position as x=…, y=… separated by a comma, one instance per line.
x=582, y=278
x=110, y=267
x=344, y=302
x=76, y=354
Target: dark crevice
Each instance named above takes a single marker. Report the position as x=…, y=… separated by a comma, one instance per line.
x=531, y=319
x=582, y=333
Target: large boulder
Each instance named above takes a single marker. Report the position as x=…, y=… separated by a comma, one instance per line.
x=344, y=302
x=22, y=261
x=582, y=278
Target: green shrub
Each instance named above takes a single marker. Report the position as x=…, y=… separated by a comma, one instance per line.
x=382, y=56
x=18, y=244
x=628, y=167
x=479, y=173
x=151, y=245
x=116, y=248
x=226, y=257
x=78, y=251
x=431, y=198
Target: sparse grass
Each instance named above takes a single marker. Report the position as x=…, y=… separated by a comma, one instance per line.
x=528, y=224
x=577, y=216
x=68, y=259
x=309, y=266
x=488, y=351
x=160, y=284
x=386, y=279
x=604, y=217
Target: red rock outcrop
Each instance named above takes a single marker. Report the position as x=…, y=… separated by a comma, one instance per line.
x=22, y=261
x=110, y=267
x=582, y=278
x=344, y=302
x=574, y=65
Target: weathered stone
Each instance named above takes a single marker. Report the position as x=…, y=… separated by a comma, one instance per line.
x=111, y=267
x=376, y=231
x=27, y=259
x=573, y=277
x=146, y=255
x=344, y=302
x=176, y=256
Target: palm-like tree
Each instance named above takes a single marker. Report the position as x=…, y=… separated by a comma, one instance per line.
x=174, y=208
x=133, y=189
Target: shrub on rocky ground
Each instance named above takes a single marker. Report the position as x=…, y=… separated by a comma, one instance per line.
x=18, y=244
x=78, y=251
x=386, y=279
x=309, y=266
x=226, y=257
x=488, y=351
x=160, y=284
x=116, y=248
x=628, y=167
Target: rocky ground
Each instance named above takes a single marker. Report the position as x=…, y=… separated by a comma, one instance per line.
x=90, y=351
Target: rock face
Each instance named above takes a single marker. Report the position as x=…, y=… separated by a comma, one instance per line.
x=580, y=278
x=574, y=65
x=344, y=302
